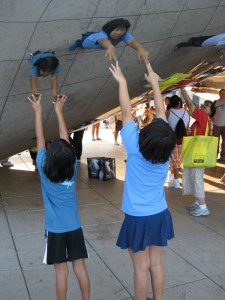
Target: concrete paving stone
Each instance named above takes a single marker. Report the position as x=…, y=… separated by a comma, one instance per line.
x=23, y=203
x=22, y=222
x=99, y=214
x=103, y=237
x=88, y=196
x=199, y=290
x=30, y=248
x=205, y=253
x=186, y=227
x=178, y=270
x=81, y=184
x=220, y=280
x=4, y=226
x=12, y=285
x=216, y=220
x=8, y=257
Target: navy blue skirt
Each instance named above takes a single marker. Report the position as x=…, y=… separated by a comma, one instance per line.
x=139, y=232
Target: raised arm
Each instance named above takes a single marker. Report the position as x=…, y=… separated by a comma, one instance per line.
x=35, y=101
x=123, y=93
x=111, y=51
x=59, y=104
x=55, y=85
x=188, y=100
x=33, y=85
x=141, y=52
x=153, y=79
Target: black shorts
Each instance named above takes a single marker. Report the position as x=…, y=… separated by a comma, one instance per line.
x=66, y=246
x=119, y=125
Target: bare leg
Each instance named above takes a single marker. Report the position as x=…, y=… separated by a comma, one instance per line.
x=141, y=264
x=61, y=280
x=116, y=133
x=175, y=172
x=201, y=201
x=156, y=271
x=97, y=130
x=93, y=132
x=82, y=277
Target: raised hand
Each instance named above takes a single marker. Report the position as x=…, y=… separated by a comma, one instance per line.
x=59, y=102
x=117, y=73
x=143, y=55
x=35, y=100
x=111, y=53
x=151, y=77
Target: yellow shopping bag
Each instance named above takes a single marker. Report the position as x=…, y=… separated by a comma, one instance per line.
x=199, y=150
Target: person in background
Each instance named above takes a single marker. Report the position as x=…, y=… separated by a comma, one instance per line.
x=148, y=224
x=193, y=180
x=203, y=41
x=57, y=167
x=219, y=123
x=95, y=132
x=118, y=127
x=77, y=143
x=173, y=115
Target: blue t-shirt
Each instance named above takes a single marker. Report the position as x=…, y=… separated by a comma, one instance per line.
x=216, y=40
x=60, y=200
x=144, y=182
x=34, y=71
x=91, y=42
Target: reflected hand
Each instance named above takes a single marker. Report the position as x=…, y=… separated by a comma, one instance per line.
x=143, y=55
x=35, y=100
x=117, y=73
x=111, y=53
x=59, y=102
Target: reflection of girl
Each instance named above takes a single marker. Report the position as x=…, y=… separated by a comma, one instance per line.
x=44, y=64
x=112, y=33
x=193, y=181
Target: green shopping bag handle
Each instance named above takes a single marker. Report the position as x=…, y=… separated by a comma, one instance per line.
x=206, y=129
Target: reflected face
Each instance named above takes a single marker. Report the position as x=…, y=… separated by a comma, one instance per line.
x=117, y=33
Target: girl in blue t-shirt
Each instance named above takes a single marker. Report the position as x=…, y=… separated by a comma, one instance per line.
x=44, y=64
x=57, y=167
x=112, y=33
x=147, y=224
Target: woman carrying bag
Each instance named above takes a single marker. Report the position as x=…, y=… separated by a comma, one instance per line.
x=193, y=181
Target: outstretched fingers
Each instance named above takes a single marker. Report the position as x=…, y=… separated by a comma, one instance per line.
x=34, y=98
x=60, y=98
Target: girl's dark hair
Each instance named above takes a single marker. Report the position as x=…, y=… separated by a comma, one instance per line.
x=156, y=141
x=175, y=100
x=60, y=159
x=212, y=108
x=47, y=64
x=116, y=23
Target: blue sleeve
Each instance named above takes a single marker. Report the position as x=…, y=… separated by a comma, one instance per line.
x=41, y=156
x=33, y=71
x=127, y=37
x=130, y=137
x=91, y=42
